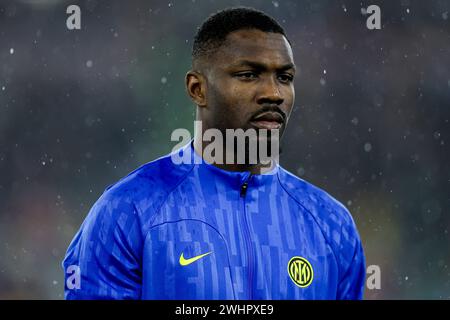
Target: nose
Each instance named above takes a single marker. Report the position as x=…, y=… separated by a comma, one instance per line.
x=270, y=92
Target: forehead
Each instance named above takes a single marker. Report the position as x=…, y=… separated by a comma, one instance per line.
x=265, y=47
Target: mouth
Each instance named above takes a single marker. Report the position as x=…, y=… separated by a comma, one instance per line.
x=268, y=120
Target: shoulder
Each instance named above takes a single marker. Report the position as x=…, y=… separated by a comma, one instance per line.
x=333, y=218
x=140, y=193
x=157, y=177
x=317, y=201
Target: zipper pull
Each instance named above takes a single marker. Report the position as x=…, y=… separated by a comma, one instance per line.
x=244, y=186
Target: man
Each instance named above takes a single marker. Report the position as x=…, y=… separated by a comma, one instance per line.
x=207, y=229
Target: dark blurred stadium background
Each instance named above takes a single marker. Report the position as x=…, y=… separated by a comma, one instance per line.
x=81, y=109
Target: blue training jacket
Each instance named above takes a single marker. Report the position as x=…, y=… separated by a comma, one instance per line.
x=194, y=231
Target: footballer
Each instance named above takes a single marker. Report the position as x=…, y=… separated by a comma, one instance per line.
x=201, y=229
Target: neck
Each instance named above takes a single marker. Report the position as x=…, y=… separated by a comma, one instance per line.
x=259, y=168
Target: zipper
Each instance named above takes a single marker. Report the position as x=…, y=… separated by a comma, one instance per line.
x=247, y=238
x=244, y=188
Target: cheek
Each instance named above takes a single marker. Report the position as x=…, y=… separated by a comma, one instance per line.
x=231, y=102
x=289, y=93
x=231, y=97
x=293, y=94
x=290, y=98
x=225, y=104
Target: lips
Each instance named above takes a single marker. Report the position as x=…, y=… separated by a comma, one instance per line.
x=268, y=120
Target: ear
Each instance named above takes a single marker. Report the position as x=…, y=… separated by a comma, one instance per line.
x=196, y=87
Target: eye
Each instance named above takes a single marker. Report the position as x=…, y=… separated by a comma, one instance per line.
x=286, y=78
x=247, y=75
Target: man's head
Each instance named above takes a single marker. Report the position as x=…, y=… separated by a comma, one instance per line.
x=242, y=72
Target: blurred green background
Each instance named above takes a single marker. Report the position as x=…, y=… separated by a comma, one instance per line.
x=80, y=109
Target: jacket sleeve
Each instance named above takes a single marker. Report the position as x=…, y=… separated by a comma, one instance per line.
x=103, y=260
x=353, y=265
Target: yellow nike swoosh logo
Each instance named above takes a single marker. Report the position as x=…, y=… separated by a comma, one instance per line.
x=185, y=262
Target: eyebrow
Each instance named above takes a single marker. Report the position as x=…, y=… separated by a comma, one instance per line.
x=262, y=66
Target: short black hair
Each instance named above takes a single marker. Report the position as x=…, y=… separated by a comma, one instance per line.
x=214, y=30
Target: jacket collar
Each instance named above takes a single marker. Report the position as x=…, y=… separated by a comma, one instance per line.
x=235, y=178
